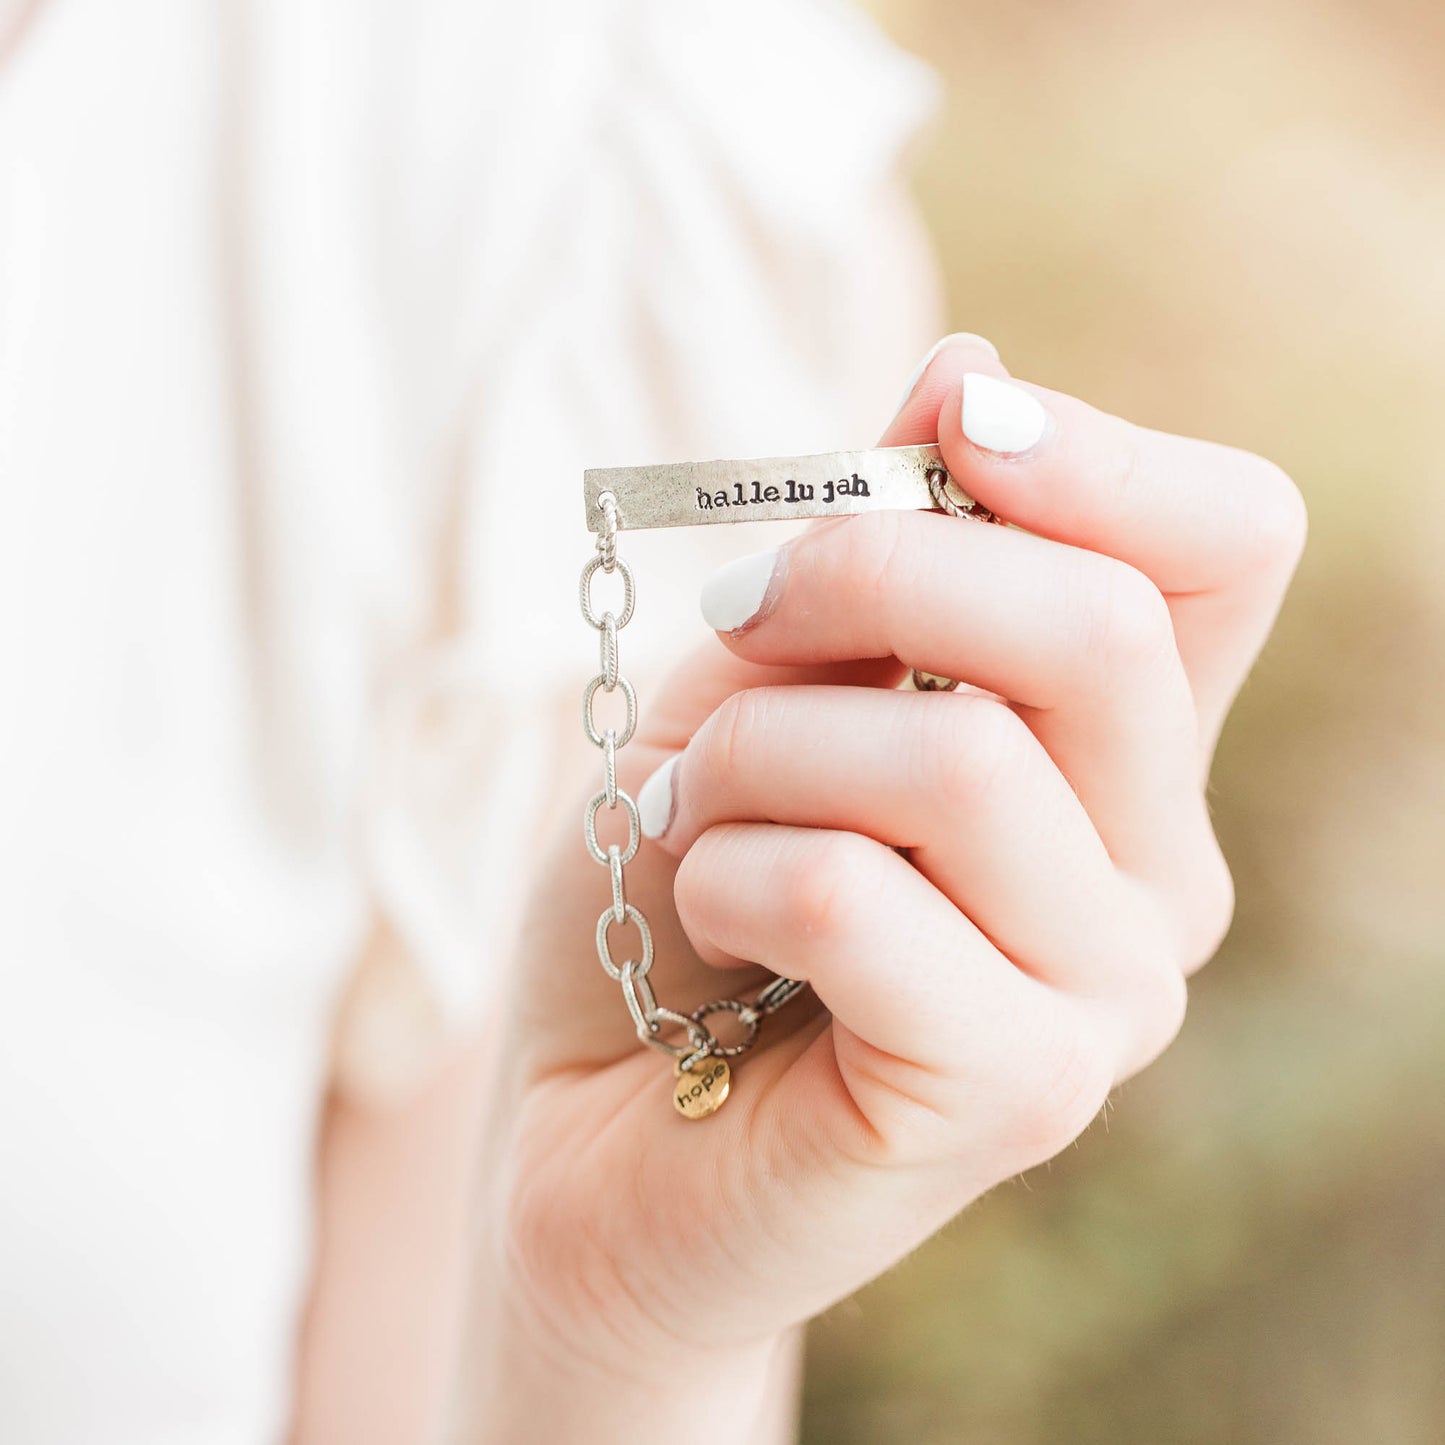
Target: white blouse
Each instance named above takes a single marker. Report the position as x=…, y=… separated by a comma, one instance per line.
x=311, y=313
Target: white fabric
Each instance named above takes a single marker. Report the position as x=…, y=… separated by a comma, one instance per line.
x=311, y=312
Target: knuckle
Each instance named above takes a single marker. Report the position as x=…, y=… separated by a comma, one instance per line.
x=1278, y=520
x=821, y=884
x=1127, y=620
x=986, y=745
x=1212, y=912
x=1163, y=1004
x=1153, y=997
x=1066, y=1087
x=1173, y=996
x=1153, y=1013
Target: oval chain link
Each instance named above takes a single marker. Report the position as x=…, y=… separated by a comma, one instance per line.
x=648, y=1016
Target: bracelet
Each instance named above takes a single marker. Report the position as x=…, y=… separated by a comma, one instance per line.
x=704, y=493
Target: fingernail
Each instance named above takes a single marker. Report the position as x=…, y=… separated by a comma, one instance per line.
x=655, y=803
x=958, y=336
x=1000, y=416
x=743, y=592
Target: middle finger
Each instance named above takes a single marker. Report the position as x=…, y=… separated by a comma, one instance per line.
x=1080, y=644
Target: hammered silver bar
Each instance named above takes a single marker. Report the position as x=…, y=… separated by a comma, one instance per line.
x=768, y=489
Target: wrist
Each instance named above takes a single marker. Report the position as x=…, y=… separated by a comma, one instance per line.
x=537, y=1383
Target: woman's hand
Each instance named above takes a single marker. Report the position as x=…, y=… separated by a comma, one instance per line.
x=996, y=894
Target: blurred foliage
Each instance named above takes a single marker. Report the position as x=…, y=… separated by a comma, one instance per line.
x=1226, y=220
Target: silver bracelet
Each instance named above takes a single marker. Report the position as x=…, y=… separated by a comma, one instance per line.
x=704, y=493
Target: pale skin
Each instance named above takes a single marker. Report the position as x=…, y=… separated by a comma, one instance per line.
x=997, y=896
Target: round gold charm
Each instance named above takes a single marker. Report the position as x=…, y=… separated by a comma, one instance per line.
x=702, y=1090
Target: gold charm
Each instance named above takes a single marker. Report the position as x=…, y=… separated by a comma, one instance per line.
x=702, y=1090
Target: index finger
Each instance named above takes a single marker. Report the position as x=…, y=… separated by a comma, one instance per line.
x=1218, y=530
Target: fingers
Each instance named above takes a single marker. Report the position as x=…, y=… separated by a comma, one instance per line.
x=958, y=782
x=916, y=422
x=963, y=786
x=827, y=905
x=936, y=1038
x=1192, y=515
x=710, y=674
x=1082, y=643
x=1216, y=529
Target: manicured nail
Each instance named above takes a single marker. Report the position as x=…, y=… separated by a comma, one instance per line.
x=958, y=336
x=743, y=592
x=655, y=802
x=1000, y=416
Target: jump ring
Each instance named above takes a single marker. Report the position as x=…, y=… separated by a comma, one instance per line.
x=749, y=1017
x=939, y=483
x=700, y=1040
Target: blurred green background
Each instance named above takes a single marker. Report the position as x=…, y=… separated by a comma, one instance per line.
x=1226, y=220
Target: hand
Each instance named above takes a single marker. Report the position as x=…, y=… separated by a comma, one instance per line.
x=996, y=894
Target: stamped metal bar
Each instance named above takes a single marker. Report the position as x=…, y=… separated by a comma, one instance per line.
x=769, y=489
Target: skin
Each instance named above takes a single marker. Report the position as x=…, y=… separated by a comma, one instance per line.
x=996, y=894
x=376, y=1357
x=997, y=897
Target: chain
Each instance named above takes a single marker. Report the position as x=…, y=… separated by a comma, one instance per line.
x=648, y=1016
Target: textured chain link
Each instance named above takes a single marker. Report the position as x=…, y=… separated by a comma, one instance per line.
x=648, y=1016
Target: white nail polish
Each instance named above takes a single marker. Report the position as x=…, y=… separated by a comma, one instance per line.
x=1000, y=416
x=734, y=595
x=960, y=337
x=655, y=803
